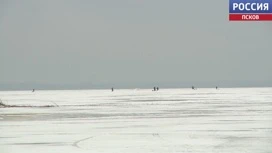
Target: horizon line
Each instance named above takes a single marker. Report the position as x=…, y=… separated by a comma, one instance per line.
x=161, y=88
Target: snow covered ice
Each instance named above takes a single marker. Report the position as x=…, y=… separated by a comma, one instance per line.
x=231, y=120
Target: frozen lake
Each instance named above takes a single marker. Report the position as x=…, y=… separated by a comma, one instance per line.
x=237, y=120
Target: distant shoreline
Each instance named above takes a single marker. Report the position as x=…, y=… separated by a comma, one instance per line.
x=162, y=88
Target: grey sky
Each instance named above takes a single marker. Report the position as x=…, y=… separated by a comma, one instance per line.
x=130, y=43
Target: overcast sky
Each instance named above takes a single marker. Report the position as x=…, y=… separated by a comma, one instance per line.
x=130, y=44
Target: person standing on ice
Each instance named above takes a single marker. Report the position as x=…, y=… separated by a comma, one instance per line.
x=112, y=89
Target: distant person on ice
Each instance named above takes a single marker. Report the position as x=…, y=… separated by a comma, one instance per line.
x=112, y=89
x=33, y=90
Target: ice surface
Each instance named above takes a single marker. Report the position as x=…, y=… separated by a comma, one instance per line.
x=138, y=121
